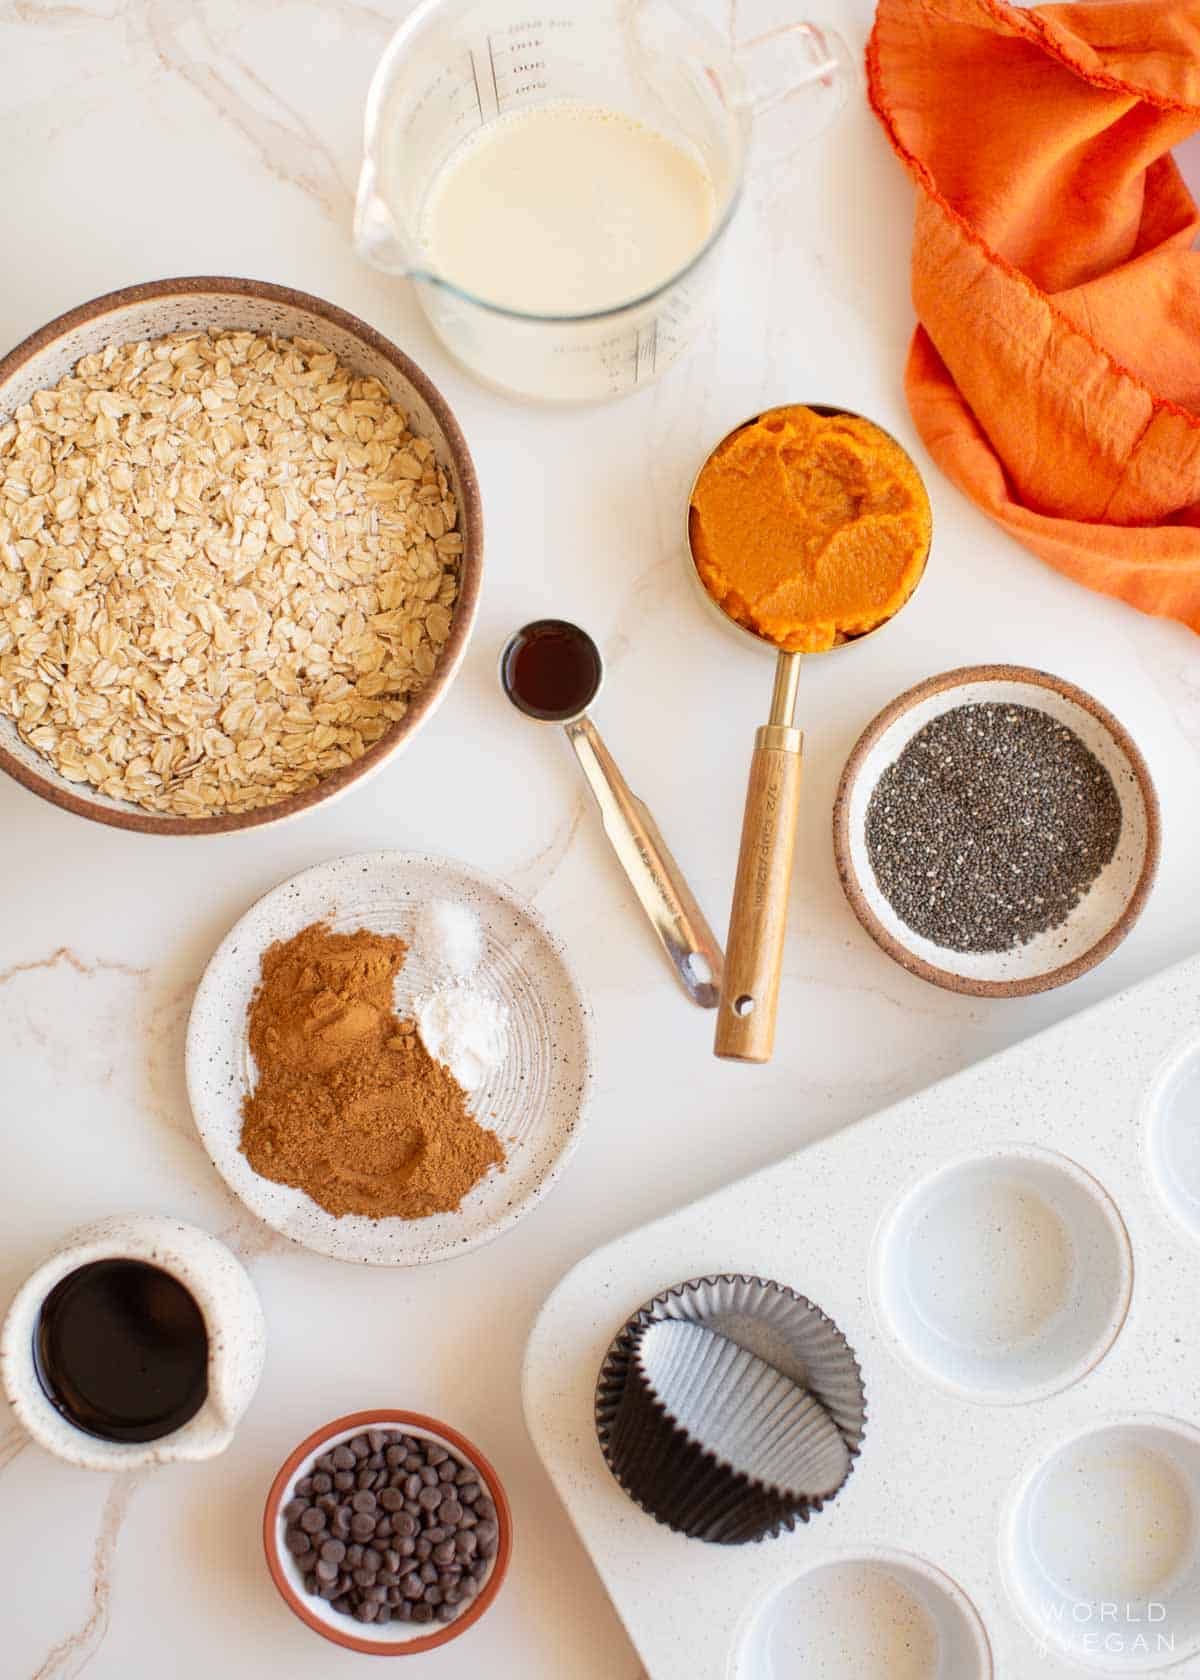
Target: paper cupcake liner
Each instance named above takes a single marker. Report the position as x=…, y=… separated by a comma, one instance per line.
x=730, y=1408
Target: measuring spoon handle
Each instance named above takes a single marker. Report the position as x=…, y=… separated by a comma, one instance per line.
x=654, y=875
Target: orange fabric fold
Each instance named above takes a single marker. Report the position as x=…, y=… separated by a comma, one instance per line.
x=1055, y=374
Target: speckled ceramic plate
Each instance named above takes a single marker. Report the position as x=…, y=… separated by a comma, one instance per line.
x=1108, y=908
x=535, y=1101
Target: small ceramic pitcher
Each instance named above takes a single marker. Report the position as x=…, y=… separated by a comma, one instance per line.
x=232, y=1316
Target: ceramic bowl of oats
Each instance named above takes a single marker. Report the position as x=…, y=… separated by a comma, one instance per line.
x=240, y=555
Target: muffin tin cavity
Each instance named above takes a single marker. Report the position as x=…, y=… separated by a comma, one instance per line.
x=1005, y=1276
x=879, y=1616
x=1174, y=1138
x=1102, y=1547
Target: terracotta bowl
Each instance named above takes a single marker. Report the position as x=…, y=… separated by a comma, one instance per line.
x=396, y=1639
x=1107, y=910
x=167, y=306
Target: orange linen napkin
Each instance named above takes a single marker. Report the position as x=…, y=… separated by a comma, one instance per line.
x=1055, y=376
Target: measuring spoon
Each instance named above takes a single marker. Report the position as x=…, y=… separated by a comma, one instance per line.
x=551, y=670
x=749, y=1000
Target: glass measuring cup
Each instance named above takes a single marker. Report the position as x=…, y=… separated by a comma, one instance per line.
x=456, y=66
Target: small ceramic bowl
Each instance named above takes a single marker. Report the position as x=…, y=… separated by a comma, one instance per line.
x=169, y=306
x=396, y=1639
x=1109, y=907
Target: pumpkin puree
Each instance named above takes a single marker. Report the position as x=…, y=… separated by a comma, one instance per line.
x=809, y=529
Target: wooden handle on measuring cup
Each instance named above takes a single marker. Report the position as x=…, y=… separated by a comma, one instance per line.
x=758, y=920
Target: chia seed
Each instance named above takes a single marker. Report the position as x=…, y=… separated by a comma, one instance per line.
x=990, y=826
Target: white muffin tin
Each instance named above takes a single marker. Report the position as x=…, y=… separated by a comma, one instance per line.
x=1014, y=1255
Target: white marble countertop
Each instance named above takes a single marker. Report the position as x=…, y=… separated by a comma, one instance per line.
x=149, y=137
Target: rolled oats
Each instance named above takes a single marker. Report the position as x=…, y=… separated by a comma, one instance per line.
x=226, y=567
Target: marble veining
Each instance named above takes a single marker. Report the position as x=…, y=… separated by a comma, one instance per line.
x=150, y=137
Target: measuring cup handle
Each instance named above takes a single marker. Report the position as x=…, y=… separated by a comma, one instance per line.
x=656, y=878
x=823, y=57
x=758, y=921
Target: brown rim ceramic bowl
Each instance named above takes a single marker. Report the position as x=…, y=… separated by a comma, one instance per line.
x=167, y=306
x=1105, y=913
x=396, y=1639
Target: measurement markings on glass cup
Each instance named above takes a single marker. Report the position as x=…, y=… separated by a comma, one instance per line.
x=517, y=62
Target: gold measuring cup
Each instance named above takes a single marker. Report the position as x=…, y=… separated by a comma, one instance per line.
x=749, y=998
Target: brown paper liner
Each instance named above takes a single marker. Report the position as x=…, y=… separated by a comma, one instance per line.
x=794, y=1351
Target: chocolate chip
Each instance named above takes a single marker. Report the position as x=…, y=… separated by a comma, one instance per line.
x=425, y=1511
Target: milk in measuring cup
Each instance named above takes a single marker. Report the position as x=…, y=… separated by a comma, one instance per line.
x=566, y=209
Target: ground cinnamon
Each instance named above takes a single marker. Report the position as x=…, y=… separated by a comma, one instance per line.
x=349, y=1105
